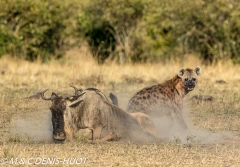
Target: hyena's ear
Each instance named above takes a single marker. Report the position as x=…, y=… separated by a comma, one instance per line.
x=197, y=70
x=181, y=72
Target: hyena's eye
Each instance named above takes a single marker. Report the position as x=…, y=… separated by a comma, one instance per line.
x=186, y=79
x=194, y=79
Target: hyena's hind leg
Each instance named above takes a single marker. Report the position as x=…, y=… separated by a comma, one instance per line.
x=146, y=124
x=97, y=136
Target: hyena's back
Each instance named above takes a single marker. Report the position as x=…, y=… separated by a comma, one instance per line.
x=156, y=97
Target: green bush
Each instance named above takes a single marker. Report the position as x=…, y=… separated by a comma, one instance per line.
x=35, y=29
x=158, y=30
x=210, y=28
x=109, y=25
x=9, y=44
x=124, y=30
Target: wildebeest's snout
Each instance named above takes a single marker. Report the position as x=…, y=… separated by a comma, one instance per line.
x=58, y=129
x=59, y=135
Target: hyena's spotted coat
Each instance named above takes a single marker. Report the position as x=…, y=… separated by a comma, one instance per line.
x=166, y=98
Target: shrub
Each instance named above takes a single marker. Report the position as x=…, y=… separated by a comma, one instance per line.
x=158, y=30
x=109, y=26
x=210, y=28
x=36, y=29
x=124, y=30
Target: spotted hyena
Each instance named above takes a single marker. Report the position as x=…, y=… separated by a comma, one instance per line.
x=166, y=98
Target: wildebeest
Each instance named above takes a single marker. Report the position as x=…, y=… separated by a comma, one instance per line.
x=92, y=110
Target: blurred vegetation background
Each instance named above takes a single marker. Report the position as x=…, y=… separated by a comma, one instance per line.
x=126, y=31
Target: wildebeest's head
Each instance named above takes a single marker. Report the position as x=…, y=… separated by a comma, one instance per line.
x=189, y=77
x=58, y=108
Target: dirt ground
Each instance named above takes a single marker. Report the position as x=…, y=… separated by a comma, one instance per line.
x=26, y=130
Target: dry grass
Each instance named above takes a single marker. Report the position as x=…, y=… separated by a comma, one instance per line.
x=20, y=79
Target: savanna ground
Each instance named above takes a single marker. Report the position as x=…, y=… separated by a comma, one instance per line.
x=25, y=125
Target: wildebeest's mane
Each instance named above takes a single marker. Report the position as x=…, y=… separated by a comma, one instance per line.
x=98, y=92
x=94, y=89
x=121, y=112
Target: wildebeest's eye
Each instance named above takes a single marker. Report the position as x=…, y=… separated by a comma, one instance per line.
x=186, y=79
x=51, y=109
x=63, y=107
x=194, y=79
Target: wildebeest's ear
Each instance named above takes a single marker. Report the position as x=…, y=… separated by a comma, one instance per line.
x=181, y=72
x=49, y=98
x=197, y=70
x=75, y=104
x=73, y=98
x=54, y=94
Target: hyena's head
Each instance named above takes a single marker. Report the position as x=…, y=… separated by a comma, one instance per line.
x=189, y=77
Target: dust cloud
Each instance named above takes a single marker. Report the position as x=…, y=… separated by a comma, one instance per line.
x=39, y=129
x=34, y=129
x=173, y=133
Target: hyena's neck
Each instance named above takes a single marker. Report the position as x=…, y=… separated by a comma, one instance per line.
x=176, y=83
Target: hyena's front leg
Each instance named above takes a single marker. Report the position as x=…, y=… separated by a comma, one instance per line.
x=177, y=117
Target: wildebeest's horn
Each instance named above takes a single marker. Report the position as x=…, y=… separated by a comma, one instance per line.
x=76, y=90
x=44, y=98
